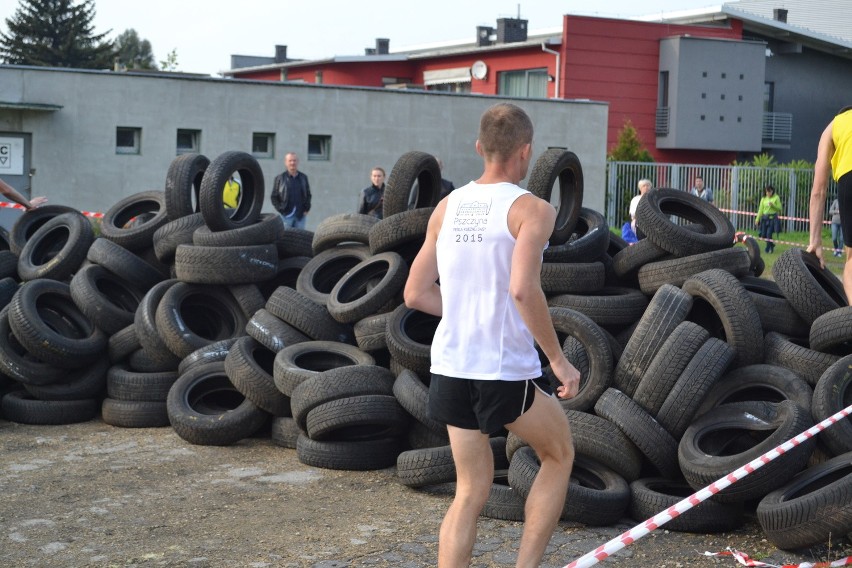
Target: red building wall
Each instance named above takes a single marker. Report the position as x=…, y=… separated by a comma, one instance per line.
x=531, y=57
x=618, y=61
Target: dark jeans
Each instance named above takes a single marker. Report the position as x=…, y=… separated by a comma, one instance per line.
x=768, y=225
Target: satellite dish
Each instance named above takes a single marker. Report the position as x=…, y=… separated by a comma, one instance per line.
x=478, y=70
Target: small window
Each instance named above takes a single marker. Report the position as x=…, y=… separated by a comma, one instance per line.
x=188, y=141
x=723, y=97
x=704, y=74
x=740, y=97
x=319, y=147
x=724, y=75
x=721, y=119
x=318, y=77
x=127, y=140
x=742, y=76
x=263, y=145
x=702, y=117
x=703, y=95
x=739, y=119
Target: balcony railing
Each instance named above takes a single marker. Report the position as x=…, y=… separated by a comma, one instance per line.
x=661, y=126
x=777, y=127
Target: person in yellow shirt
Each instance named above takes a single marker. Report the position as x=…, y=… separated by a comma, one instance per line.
x=231, y=193
x=834, y=156
x=767, y=217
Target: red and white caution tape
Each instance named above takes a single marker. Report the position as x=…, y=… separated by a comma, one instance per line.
x=9, y=205
x=643, y=528
x=744, y=559
x=782, y=217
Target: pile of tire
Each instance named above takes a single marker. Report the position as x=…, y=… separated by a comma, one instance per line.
x=224, y=324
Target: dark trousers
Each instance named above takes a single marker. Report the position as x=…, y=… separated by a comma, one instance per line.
x=768, y=225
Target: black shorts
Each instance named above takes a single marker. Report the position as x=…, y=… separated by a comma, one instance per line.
x=844, y=202
x=486, y=406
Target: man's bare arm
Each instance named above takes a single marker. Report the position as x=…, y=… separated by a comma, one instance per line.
x=421, y=289
x=531, y=221
x=822, y=172
x=11, y=193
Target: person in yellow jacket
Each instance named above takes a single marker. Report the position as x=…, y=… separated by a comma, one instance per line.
x=767, y=217
x=231, y=193
x=834, y=156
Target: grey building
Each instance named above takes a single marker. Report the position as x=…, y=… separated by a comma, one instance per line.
x=807, y=69
x=89, y=138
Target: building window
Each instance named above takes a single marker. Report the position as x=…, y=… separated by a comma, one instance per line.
x=318, y=77
x=663, y=90
x=128, y=140
x=529, y=83
x=768, y=96
x=319, y=147
x=283, y=75
x=188, y=141
x=263, y=145
x=450, y=88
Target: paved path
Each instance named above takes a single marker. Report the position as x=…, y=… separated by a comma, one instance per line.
x=94, y=495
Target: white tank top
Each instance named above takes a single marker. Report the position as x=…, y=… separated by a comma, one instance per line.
x=481, y=334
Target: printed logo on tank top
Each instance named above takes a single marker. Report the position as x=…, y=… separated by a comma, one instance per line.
x=470, y=221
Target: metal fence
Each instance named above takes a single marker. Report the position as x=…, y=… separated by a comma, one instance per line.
x=736, y=189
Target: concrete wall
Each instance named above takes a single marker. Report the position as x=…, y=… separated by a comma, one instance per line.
x=73, y=149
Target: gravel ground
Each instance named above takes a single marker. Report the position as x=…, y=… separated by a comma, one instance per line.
x=94, y=495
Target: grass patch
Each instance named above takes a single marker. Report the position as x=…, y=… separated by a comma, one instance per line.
x=800, y=239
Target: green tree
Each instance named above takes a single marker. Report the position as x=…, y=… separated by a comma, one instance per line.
x=629, y=147
x=55, y=33
x=133, y=52
x=170, y=63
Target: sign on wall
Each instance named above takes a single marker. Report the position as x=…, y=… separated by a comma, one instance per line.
x=12, y=156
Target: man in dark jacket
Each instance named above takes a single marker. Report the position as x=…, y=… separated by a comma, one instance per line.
x=372, y=198
x=291, y=193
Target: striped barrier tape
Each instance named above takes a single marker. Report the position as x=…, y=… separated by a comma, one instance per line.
x=782, y=217
x=744, y=559
x=629, y=537
x=9, y=205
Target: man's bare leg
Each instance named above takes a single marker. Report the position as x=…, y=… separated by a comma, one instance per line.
x=474, y=475
x=545, y=428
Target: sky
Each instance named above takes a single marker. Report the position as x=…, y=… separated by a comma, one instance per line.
x=205, y=33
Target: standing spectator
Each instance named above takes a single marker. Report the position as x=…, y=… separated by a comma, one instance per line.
x=699, y=190
x=231, y=193
x=834, y=155
x=372, y=198
x=836, y=229
x=767, y=216
x=291, y=193
x=486, y=372
x=446, y=185
x=644, y=185
x=10, y=192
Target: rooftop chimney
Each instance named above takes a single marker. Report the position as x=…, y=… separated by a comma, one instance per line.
x=483, y=35
x=511, y=30
x=780, y=15
x=280, y=54
x=382, y=45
